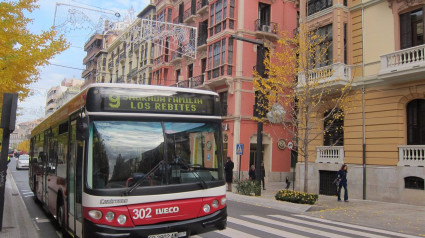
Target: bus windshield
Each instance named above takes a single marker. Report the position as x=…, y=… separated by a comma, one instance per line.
x=153, y=153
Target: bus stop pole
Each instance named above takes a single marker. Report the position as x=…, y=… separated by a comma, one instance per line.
x=8, y=119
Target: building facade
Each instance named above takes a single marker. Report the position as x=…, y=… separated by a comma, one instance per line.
x=92, y=47
x=127, y=57
x=383, y=138
x=226, y=65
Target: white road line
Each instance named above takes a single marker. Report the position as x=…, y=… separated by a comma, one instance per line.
x=27, y=193
x=359, y=227
x=295, y=227
x=331, y=227
x=264, y=228
x=229, y=232
x=29, y=196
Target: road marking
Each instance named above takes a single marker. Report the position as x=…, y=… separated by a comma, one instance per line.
x=235, y=233
x=42, y=220
x=27, y=193
x=331, y=227
x=32, y=195
x=359, y=227
x=264, y=228
x=295, y=227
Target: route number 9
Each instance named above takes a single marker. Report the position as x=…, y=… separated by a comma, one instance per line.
x=114, y=101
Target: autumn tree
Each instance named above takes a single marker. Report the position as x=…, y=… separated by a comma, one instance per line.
x=302, y=82
x=23, y=53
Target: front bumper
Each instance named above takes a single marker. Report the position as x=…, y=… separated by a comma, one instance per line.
x=214, y=221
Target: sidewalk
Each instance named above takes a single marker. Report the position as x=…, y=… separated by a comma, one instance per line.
x=402, y=218
x=16, y=220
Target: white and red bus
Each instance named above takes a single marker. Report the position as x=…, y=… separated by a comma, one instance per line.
x=132, y=161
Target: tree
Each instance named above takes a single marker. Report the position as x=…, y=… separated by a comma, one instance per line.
x=300, y=84
x=22, y=53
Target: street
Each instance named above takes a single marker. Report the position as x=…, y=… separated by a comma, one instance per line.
x=244, y=220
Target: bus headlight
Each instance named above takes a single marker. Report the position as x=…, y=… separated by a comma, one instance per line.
x=109, y=216
x=206, y=208
x=95, y=214
x=215, y=204
x=121, y=219
x=223, y=201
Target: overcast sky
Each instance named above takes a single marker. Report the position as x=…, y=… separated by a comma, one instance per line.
x=86, y=14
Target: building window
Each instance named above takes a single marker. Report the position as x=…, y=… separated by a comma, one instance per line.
x=223, y=103
x=333, y=128
x=416, y=122
x=324, y=54
x=218, y=15
x=412, y=29
x=314, y=6
x=190, y=71
x=413, y=182
x=177, y=75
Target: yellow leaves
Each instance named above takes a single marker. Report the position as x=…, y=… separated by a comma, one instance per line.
x=22, y=53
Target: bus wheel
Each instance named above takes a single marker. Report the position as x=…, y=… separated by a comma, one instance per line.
x=60, y=215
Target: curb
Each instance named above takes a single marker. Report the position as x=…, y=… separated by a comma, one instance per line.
x=269, y=203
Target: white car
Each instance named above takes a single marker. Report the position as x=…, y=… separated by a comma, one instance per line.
x=22, y=162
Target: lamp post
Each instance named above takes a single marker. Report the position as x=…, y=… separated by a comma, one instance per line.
x=260, y=100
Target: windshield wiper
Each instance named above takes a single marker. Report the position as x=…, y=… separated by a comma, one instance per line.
x=204, y=185
x=142, y=179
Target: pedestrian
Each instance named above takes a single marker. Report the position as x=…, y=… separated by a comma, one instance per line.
x=342, y=178
x=228, y=168
x=252, y=173
x=263, y=175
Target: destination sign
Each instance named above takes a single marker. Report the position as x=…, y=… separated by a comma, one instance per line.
x=137, y=101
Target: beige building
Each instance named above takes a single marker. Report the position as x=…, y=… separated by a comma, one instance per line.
x=59, y=95
x=383, y=141
x=127, y=58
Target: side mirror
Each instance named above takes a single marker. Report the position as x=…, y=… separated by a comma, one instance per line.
x=82, y=129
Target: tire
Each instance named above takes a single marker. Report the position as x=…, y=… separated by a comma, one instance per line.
x=60, y=215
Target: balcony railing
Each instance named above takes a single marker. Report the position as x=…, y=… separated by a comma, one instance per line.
x=191, y=82
x=123, y=55
x=269, y=27
x=176, y=55
x=337, y=73
x=411, y=155
x=200, y=4
x=120, y=79
x=191, y=12
x=132, y=72
x=330, y=154
x=401, y=60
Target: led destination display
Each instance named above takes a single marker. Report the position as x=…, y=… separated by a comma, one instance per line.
x=148, y=102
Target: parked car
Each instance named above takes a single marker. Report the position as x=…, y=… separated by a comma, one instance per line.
x=22, y=162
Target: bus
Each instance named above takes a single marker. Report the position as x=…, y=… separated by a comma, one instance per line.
x=122, y=160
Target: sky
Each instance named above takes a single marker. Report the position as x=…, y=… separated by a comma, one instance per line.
x=69, y=64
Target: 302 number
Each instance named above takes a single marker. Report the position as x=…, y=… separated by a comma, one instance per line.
x=142, y=213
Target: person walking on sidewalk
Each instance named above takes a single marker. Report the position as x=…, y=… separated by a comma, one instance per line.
x=228, y=168
x=252, y=173
x=262, y=175
x=342, y=178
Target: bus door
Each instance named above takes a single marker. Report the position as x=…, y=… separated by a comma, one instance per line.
x=45, y=172
x=75, y=181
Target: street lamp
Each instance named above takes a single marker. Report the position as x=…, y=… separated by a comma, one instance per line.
x=260, y=99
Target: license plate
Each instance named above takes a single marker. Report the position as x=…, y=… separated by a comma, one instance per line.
x=169, y=235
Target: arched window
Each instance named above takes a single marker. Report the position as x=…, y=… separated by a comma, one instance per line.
x=416, y=122
x=413, y=182
x=333, y=128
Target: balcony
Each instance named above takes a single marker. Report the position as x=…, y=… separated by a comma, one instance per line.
x=132, y=73
x=411, y=155
x=202, y=39
x=202, y=6
x=120, y=79
x=190, y=14
x=191, y=82
x=267, y=29
x=402, y=65
x=336, y=75
x=176, y=56
x=122, y=57
x=330, y=154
